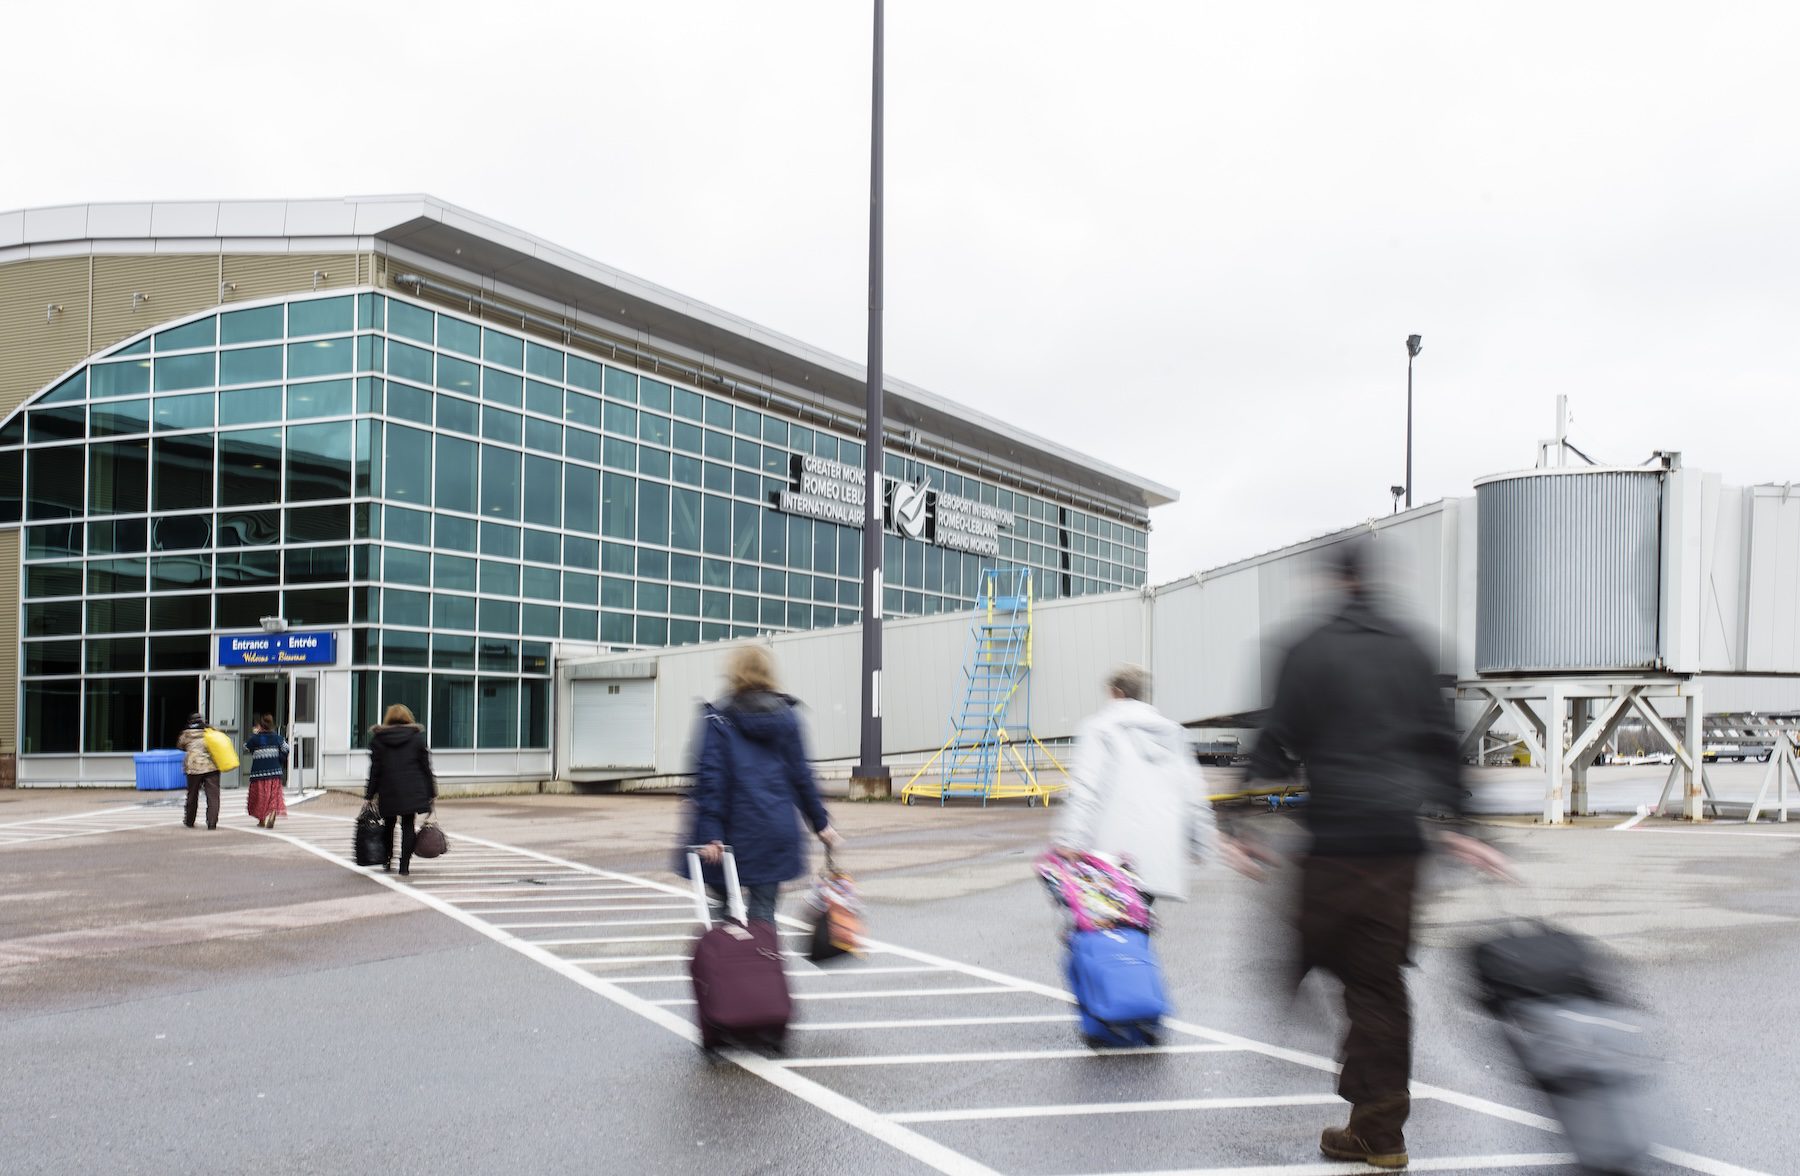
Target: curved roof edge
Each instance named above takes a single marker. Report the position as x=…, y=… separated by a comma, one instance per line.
x=426, y=227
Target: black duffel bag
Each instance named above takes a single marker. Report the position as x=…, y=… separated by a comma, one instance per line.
x=371, y=839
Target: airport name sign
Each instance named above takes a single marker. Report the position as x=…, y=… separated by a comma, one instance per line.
x=820, y=488
x=966, y=525
x=824, y=489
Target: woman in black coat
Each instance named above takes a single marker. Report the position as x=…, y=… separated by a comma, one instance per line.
x=400, y=778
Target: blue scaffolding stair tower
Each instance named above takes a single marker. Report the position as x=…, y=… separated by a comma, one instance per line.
x=996, y=685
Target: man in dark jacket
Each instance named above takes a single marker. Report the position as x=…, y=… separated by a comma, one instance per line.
x=753, y=784
x=1357, y=703
x=400, y=776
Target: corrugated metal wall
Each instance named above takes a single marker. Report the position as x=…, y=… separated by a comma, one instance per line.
x=1568, y=571
x=170, y=285
x=40, y=345
x=263, y=275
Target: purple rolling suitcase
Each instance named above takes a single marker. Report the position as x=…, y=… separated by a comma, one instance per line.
x=740, y=981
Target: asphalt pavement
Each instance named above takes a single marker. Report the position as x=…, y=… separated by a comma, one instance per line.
x=234, y=1001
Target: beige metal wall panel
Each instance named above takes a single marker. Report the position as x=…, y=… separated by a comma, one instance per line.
x=175, y=285
x=9, y=641
x=264, y=275
x=1772, y=629
x=40, y=345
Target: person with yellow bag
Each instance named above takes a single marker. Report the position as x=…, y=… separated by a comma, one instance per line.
x=198, y=740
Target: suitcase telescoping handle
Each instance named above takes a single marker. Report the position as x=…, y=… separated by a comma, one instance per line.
x=734, y=894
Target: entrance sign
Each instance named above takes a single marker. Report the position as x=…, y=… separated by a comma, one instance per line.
x=279, y=649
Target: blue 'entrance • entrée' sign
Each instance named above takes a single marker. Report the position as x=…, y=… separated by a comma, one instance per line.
x=279, y=649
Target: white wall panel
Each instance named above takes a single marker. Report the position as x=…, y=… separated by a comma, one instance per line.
x=1177, y=626
x=1772, y=638
x=1214, y=641
x=1724, y=549
x=1230, y=658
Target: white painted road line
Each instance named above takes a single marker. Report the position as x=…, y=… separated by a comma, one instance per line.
x=927, y=1151
x=596, y=923
x=514, y=890
x=683, y=977
x=887, y=994
x=792, y=975
x=995, y=1055
x=1335, y=1168
x=980, y=1114
x=634, y=939
x=485, y=912
x=929, y=1023
x=647, y=959
x=547, y=901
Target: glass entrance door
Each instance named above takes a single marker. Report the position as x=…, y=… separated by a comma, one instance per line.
x=304, y=730
x=224, y=710
x=266, y=695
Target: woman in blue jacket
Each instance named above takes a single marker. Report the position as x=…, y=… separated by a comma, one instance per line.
x=753, y=785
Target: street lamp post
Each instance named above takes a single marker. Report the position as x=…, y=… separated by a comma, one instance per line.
x=1413, y=347
x=870, y=780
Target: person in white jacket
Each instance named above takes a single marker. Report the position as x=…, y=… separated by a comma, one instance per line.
x=1136, y=793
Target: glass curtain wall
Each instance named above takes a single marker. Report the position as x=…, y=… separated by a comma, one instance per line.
x=458, y=495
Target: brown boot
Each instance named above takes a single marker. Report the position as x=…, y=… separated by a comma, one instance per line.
x=1374, y=1136
x=1340, y=1143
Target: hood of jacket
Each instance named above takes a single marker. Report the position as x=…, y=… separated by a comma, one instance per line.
x=1132, y=714
x=762, y=717
x=398, y=735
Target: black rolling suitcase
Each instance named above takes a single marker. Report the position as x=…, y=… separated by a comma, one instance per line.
x=1588, y=1053
x=739, y=974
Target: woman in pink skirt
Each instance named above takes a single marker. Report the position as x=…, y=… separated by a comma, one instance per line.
x=268, y=755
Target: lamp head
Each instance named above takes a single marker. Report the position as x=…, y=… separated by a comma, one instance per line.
x=1397, y=491
x=1413, y=345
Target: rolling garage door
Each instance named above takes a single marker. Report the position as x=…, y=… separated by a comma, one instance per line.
x=614, y=724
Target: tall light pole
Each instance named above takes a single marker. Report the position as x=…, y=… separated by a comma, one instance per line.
x=1413, y=347
x=870, y=780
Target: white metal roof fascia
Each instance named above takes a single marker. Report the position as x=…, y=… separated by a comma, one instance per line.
x=360, y=216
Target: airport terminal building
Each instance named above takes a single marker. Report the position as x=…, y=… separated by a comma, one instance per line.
x=311, y=458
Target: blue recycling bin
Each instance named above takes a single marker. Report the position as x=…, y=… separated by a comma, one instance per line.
x=159, y=771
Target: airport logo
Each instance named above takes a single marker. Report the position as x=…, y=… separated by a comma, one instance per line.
x=910, y=504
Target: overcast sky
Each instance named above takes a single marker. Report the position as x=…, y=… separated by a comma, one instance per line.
x=1187, y=238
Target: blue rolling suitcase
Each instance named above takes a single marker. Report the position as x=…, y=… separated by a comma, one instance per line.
x=1118, y=987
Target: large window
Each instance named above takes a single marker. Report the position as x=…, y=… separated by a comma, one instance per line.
x=218, y=471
